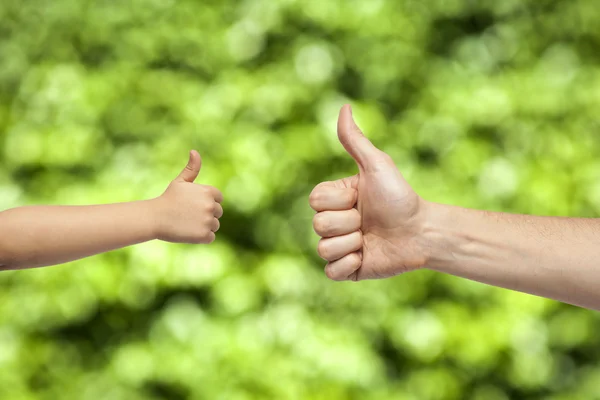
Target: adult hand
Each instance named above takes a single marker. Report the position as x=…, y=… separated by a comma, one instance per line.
x=371, y=223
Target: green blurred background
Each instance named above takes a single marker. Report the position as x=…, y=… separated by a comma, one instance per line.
x=488, y=104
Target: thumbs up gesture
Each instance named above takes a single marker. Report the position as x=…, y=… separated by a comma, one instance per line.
x=371, y=223
x=188, y=212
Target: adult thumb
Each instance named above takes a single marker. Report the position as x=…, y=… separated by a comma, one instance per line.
x=192, y=169
x=353, y=140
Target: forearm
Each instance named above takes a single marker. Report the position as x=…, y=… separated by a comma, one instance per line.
x=46, y=235
x=552, y=257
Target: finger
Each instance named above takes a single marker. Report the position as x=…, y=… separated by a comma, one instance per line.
x=192, y=169
x=218, y=210
x=334, y=248
x=344, y=183
x=353, y=140
x=336, y=223
x=217, y=194
x=342, y=269
x=215, y=225
x=325, y=198
x=210, y=237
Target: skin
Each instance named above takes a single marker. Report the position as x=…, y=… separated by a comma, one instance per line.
x=39, y=236
x=373, y=225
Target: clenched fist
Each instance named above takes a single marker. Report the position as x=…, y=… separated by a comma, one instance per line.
x=188, y=212
x=371, y=223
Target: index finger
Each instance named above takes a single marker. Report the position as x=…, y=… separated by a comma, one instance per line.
x=214, y=192
x=217, y=195
x=327, y=198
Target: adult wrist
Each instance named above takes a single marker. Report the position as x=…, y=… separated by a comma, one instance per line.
x=439, y=234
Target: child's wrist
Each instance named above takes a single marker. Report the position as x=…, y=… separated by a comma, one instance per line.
x=153, y=212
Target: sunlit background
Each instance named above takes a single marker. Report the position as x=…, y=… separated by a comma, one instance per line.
x=488, y=104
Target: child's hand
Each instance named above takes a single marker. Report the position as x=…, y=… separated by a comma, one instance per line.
x=187, y=212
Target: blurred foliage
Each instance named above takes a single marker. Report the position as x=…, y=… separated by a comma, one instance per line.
x=489, y=104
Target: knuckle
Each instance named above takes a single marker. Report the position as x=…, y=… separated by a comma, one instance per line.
x=320, y=224
x=356, y=130
x=354, y=260
x=315, y=197
x=202, y=236
x=323, y=249
x=207, y=236
x=356, y=220
x=351, y=196
x=358, y=239
x=329, y=272
x=332, y=274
